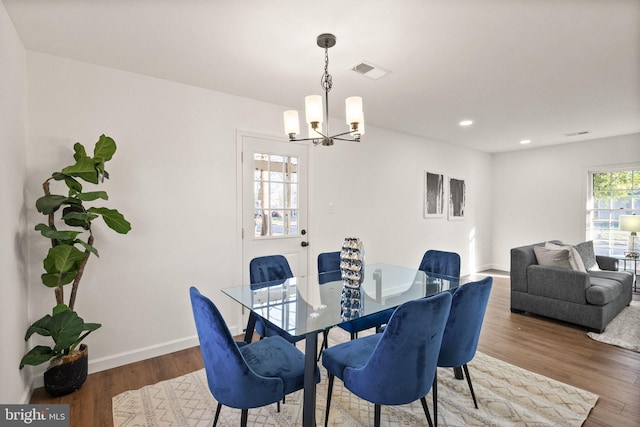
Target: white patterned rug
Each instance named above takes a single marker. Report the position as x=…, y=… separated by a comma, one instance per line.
x=624, y=330
x=507, y=396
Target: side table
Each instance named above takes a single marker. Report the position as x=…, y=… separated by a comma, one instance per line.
x=632, y=258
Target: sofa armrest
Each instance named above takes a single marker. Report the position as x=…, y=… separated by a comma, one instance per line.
x=558, y=283
x=607, y=262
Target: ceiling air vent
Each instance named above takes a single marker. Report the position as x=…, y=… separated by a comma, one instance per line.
x=582, y=132
x=370, y=70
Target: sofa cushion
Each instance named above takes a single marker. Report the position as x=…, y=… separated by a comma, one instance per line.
x=624, y=277
x=575, y=259
x=602, y=291
x=585, y=249
x=552, y=257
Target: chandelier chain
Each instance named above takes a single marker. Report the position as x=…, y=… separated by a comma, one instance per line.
x=326, y=81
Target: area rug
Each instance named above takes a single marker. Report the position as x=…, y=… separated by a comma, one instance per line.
x=507, y=396
x=624, y=330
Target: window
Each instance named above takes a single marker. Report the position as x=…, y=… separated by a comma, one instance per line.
x=611, y=194
x=275, y=189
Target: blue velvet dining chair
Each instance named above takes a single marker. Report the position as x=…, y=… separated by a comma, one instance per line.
x=462, y=332
x=263, y=271
x=329, y=271
x=248, y=376
x=441, y=262
x=395, y=367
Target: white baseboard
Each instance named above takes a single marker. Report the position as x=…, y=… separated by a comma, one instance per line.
x=120, y=359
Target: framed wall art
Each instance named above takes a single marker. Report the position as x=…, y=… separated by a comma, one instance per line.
x=457, y=199
x=434, y=195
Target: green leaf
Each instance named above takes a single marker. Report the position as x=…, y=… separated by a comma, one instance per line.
x=41, y=326
x=88, y=247
x=60, y=308
x=85, y=217
x=84, y=169
x=76, y=216
x=53, y=280
x=64, y=257
x=79, y=151
x=114, y=219
x=71, y=182
x=51, y=203
x=37, y=355
x=104, y=149
x=91, y=326
x=92, y=195
x=64, y=236
x=66, y=328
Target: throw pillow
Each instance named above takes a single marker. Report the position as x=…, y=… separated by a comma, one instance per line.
x=575, y=260
x=552, y=257
x=585, y=249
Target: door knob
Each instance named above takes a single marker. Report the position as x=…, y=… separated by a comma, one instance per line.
x=304, y=244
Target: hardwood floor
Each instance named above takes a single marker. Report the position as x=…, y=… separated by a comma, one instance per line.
x=551, y=348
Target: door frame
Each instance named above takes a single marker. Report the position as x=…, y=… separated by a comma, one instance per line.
x=238, y=273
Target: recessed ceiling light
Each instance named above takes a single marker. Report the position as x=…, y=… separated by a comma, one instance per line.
x=466, y=123
x=525, y=141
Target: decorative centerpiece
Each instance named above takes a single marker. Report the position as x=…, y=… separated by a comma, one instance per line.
x=352, y=272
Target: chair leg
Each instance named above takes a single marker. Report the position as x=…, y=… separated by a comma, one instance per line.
x=325, y=343
x=329, y=390
x=435, y=397
x=243, y=417
x=426, y=410
x=278, y=405
x=466, y=374
x=215, y=420
x=376, y=415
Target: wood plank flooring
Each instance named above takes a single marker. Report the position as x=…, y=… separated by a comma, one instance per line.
x=551, y=348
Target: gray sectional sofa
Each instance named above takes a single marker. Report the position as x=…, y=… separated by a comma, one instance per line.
x=590, y=299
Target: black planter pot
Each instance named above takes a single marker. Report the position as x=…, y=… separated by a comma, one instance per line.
x=67, y=374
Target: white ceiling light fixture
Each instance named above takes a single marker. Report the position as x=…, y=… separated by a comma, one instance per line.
x=525, y=141
x=314, y=109
x=465, y=123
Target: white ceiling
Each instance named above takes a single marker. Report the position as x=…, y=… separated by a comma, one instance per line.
x=520, y=69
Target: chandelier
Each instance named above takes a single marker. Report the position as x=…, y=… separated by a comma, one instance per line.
x=315, y=115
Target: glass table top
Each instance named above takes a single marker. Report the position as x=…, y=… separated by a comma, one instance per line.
x=301, y=305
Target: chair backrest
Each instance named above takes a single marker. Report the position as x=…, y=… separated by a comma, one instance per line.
x=329, y=267
x=402, y=367
x=269, y=268
x=440, y=262
x=462, y=333
x=231, y=381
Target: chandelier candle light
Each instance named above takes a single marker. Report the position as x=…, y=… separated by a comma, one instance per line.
x=314, y=111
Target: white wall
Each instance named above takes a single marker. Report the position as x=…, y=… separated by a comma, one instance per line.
x=13, y=172
x=540, y=194
x=174, y=178
x=376, y=189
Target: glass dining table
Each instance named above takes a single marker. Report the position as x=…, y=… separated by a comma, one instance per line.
x=303, y=307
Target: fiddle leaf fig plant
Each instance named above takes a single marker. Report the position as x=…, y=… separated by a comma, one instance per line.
x=71, y=248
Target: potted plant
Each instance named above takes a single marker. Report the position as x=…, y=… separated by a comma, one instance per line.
x=65, y=262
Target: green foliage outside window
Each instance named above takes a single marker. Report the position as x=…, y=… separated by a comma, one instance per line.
x=614, y=193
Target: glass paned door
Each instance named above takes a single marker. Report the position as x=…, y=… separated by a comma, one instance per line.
x=274, y=202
